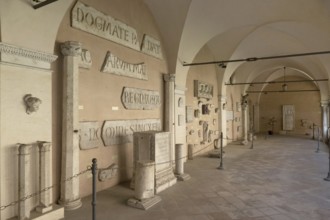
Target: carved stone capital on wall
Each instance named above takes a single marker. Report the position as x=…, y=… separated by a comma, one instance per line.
x=71, y=48
x=24, y=149
x=44, y=146
x=324, y=103
x=169, y=77
x=222, y=98
x=25, y=57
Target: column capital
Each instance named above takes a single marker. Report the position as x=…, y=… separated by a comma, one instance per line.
x=71, y=48
x=24, y=149
x=324, y=103
x=169, y=77
x=44, y=146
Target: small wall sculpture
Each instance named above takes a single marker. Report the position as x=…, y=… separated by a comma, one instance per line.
x=31, y=103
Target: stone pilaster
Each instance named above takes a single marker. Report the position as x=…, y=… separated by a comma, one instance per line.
x=245, y=128
x=222, y=115
x=24, y=180
x=325, y=114
x=70, y=195
x=45, y=177
x=169, y=124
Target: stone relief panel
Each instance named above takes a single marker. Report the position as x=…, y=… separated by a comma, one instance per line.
x=108, y=173
x=133, y=98
x=92, y=21
x=31, y=103
x=288, y=117
x=117, y=66
x=181, y=120
x=203, y=90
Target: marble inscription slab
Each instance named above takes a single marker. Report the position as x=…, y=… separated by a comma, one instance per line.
x=108, y=173
x=203, y=90
x=90, y=135
x=133, y=98
x=162, y=151
x=121, y=131
x=115, y=65
x=189, y=114
x=288, y=117
x=151, y=47
x=92, y=21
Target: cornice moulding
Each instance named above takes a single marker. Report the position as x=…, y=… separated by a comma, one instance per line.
x=25, y=57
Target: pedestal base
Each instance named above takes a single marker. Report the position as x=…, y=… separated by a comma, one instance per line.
x=183, y=177
x=56, y=212
x=164, y=180
x=245, y=142
x=144, y=204
x=42, y=209
x=71, y=205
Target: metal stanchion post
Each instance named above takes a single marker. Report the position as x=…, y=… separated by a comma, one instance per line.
x=313, y=131
x=318, y=140
x=328, y=177
x=221, y=152
x=94, y=173
x=252, y=140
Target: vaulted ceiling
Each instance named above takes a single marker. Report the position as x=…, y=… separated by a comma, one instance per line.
x=239, y=29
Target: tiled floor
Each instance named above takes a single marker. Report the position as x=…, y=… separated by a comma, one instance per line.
x=280, y=179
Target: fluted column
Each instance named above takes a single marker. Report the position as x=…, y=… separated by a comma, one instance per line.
x=169, y=124
x=325, y=125
x=70, y=196
x=45, y=176
x=222, y=115
x=24, y=180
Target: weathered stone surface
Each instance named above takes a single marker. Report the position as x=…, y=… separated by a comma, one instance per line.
x=203, y=90
x=121, y=131
x=108, y=173
x=115, y=65
x=133, y=98
x=90, y=135
x=144, y=204
x=90, y=20
x=288, y=117
x=151, y=47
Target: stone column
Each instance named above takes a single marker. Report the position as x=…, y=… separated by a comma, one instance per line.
x=190, y=151
x=179, y=163
x=325, y=109
x=144, y=186
x=24, y=180
x=222, y=115
x=70, y=197
x=245, y=123
x=45, y=176
x=169, y=123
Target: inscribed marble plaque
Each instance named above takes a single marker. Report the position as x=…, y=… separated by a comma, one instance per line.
x=90, y=135
x=115, y=65
x=90, y=20
x=189, y=114
x=133, y=98
x=121, y=131
x=151, y=47
x=288, y=117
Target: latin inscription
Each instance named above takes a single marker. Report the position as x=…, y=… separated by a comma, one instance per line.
x=85, y=59
x=162, y=154
x=114, y=65
x=133, y=98
x=121, y=132
x=151, y=47
x=92, y=21
x=90, y=135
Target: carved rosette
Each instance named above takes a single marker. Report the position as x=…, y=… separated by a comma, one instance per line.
x=169, y=77
x=71, y=48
